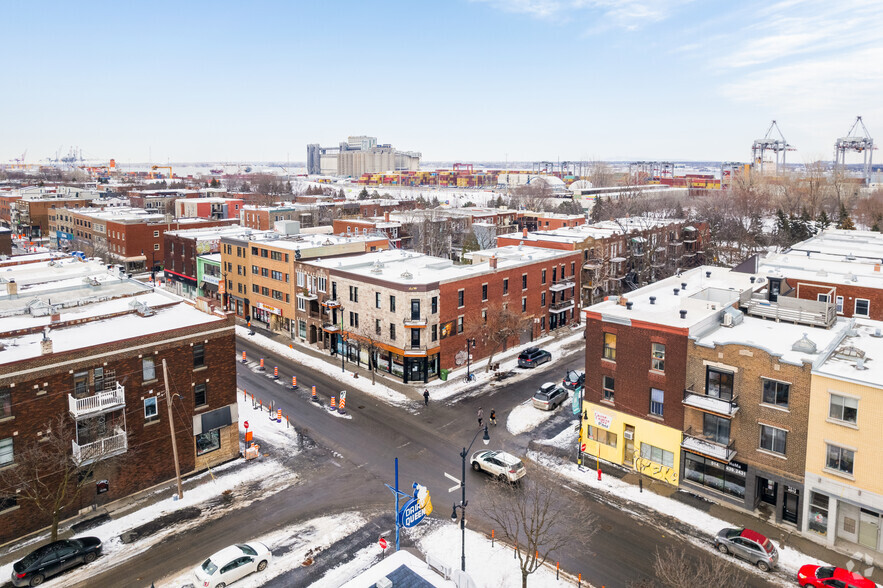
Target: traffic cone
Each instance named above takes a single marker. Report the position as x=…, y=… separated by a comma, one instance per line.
x=262, y=364
x=333, y=406
x=313, y=396
x=276, y=373
x=294, y=382
x=279, y=415
x=340, y=409
x=243, y=357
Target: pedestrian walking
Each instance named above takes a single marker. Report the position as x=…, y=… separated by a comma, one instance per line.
x=480, y=416
x=426, y=397
x=493, y=418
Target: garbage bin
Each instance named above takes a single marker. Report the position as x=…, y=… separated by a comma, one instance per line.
x=443, y=374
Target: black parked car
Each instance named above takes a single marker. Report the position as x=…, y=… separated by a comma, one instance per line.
x=574, y=380
x=533, y=356
x=54, y=558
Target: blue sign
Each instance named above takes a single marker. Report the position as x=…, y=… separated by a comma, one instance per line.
x=411, y=514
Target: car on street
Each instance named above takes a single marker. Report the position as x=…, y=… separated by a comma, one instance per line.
x=831, y=577
x=574, y=380
x=54, y=558
x=503, y=466
x=549, y=396
x=748, y=545
x=232, y=563
x=533, y=356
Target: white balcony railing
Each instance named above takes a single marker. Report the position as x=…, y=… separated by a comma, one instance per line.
x=563, y=284
x=97, y=403
x=100, y=449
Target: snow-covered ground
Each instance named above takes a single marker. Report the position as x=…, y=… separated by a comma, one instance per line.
x=525, y=417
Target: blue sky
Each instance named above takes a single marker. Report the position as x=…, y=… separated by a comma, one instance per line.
x=469, y=80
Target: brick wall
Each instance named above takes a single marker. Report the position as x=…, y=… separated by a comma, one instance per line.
x=850, y=292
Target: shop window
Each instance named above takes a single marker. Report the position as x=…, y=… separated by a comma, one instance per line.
x=208, y=442
x=726, y=478
x=302, y=329
x=818, y=513
x=844, y=409
x=776, y=393
x=658, y=455
x=601, y=436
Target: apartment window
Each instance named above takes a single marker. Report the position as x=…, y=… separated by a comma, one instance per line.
x=354, y=293
x=8, y=502
x=505, y=286
x=276, y=256
x=323, y=283
x=554, y=274
x=609, y=386
x=378, y=328
x=434, y=304
x=543, y=299
x=716, y=428
x=601, y=436
x=459, y=324
x=657, y=357
x=156, y=234
x=199, y=395
x=524, y=281
x=840, y=459
x=5, y=404
x=7, y=455
x=156, y=246
x=265, y=291
x=773, y=439
x=460, y=296
x=208, y=441
x=839, y=304
x=862, y=307
x=657, y=455
x=392, y=304
x=377, y=300
x=719, y=384
x=842, y=408
x=543, y=277
x=265, y=272
x=572, y=269
x=823, y=298
x=277, y=295
x=198, y=355
x=776, y=393
x=392, y=332
x=148, y=369
x=150, y=411
x=524, y=304
x=484, y=292
x=354, y=319
x=300, y=279
x=276, y=275
x=435, y=333
x=657, y=401
x=610, y=346
x=415, y=337
x=255, y=288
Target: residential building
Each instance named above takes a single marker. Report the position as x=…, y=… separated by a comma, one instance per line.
x=374, y=208
x=183, y=249
x=262, y=218
x=87, y=345
x=209, y=279
x=214, y=208
x=33, y=211
x=160, y=201
x=5, y=242
x=370, y=226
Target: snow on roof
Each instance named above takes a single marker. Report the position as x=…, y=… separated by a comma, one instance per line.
x=214, y=232
x=303, y=240
x=121, y=213
x=867, y=337
x=210, y=199
x=406, y=568
x=212, y=257
x=824, y=268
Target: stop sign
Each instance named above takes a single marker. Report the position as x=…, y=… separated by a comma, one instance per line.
x=245, y=424
x=582, y=447
x=383, y=544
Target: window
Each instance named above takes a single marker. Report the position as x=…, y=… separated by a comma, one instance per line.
x=460, y=297
x=843, y=409
x=415, y=309
x=5, y=404
x=392, y=332
x=276, y=255
x=277, y=275
x=840, y=459
x=354, y=319
x=300, y=279
x=301, y=304
x=524, y=281
x=657, y=401
x=302, y=329
x=354, y=293
x=657, y=455
x=460, y=324
x=208, y=442
x=862, y=307
x=392, y=304
x=148, y=369
x=378, y=327
x=543, y=275
x=156, y=234
x=156, y=246
x=823, y=298
x=610, y=346
x=377, y=300
x=657, y=357
x=435, y=332
x=775, y=393
x=773, y=439
x=265, y=272
x=484, y=316
x=609, y=386
x=818, y=513
x=434, y=304
x=719, y=384
x=265, y=291
x=572, y=269
x=8, y=502
x=524, y=304
x=415, y=338
x=716, y=428
x=323, y=284
x=198, y=355
x=484, y=292
x=601, y=436
x=6, y=454
x=505, y=286
x=150, y=411
x=542, y=299
x=199, y=395
x=554, y=274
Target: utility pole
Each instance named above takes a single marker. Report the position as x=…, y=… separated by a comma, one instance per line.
x=165, y=375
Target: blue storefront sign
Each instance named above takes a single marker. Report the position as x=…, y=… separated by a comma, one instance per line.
x=411, y=514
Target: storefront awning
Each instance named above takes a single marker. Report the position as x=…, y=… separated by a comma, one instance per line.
x=209, y=287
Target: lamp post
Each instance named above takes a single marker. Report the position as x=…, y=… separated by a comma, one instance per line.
x=342, y=342
x=462, y=506
x=470, y=345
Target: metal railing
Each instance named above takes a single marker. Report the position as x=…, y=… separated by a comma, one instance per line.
x=699, y=442
x=712, y=403
x=100, y=449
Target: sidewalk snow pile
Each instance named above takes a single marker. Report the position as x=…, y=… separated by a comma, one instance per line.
x=566, y=439
x=378, y=390
x=298, y=543
x=705, y=524
x=526, y=417
x=265, y=429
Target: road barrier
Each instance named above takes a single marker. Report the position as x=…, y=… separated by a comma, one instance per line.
x=262, y=364
x=243, y=357
x=276, y=373
x=294, y=382
x=313, y=396
x=279, y=415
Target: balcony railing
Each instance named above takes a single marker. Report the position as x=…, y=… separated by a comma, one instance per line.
x=333, y=303
x=412, y=322
x=97, y=403
x=562, y=306
x=697, y=442
x=719, y=406
x=100, y=449
x=793, y=310
x=562, y=284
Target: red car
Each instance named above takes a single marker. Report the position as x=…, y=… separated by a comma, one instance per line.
x=831, y=577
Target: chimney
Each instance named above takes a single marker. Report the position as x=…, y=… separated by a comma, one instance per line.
x=524, y=232
x=12, y=288
x=386, y=216
x=46, y=343
x=493, y=262
x=55, y=317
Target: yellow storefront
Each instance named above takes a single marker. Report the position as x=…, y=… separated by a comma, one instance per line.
x=650, y=448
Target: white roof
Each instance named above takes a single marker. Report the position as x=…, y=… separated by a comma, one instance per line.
x=864, y=337
x=215, y=232
x=121, y=213
x=396, y=560
x=300, y=241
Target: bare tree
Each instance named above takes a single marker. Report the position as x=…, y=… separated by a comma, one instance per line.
x=48, y=476
x=495, y=325
x=601, y=175
x=674, y=568
x=536, y=196
x=536, y=521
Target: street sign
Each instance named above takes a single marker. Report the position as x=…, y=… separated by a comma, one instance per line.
x=583, y=447
x=245, y=424
x=383, y=544
x=411, y=514
x=453, y=479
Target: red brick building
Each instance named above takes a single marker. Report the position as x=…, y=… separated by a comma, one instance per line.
x=370, y=226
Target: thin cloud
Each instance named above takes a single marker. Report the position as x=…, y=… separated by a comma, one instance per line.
x=603, y=14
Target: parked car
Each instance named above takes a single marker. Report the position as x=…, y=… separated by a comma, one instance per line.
x=549, y=396
x=231, y=564
x=504, y=466
x=533, y=356
x=54, y=558
x=831, y=577
x=749, y=545
x=574, y=379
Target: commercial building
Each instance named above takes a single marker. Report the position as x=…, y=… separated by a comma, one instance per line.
x=182, y=250
x=83, y=353
x=263, y=218
x=359, y=155
x=159, y=201
x=31, y=213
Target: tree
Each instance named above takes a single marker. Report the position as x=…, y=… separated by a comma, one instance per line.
x=675, y=568
x=468, y=204
x=215, y=183
x=46, y=474
x=363, y=195
x=601, y=175
x=844, y=221
x=570, y=207
x=536, y=521
x=495, y=325
x=470, y=243
x=598, y=212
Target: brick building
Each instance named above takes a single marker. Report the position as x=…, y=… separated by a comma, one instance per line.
x=32, y=213
x=183, y=248
x=370, y=226
x=159, y=201
x=263, y=218
x=207, y=207
x=8, y=199
x=374, y=208
x=92, y=354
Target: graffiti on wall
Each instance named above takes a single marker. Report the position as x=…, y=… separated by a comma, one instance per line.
x=656, y=470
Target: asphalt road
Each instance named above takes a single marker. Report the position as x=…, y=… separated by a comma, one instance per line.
x=354, y=458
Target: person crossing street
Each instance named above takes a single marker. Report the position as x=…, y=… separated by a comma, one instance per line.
x=493, y=418
x=480, y=416
x=426, y=397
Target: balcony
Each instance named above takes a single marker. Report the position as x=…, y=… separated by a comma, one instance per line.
x=726, y=408
x=562, y=284
x=699, y=443
x=562, y=306
x=331, y=328
x=333, y=303
x=415, y=323
x=97, y=403
x=793, y=310
x=307, y=295
x=101, y=449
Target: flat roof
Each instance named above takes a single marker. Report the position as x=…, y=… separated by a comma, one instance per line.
x=300, y=241
x=866, y=337
x=214, y=232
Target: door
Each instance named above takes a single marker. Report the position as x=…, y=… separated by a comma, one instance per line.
x=767, y=490
x=868, y=528
x=66, y=558
x=775, y=288
x=629, y=437
x=415, y=310
x=792, y=500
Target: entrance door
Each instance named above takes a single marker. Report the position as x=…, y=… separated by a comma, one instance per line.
x=767, y=490
x=629, y=437
x=775, y=287
x=869, y=528
x=789, y=510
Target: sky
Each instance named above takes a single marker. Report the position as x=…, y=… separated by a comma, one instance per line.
x=457, y=80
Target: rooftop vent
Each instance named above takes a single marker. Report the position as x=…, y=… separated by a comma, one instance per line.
x=676, y=291
x=850, y=257
x=860, y=364
x=804, y=345
x=683, y=314
x=683, y=285
x=707, y=274
x=142, y=308
x=752, y=278
x=629, y=305
x=377, y=268
x=653, y=300
x=877, y=333
x=406, y=275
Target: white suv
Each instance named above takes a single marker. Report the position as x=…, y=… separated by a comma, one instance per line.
x=504, y=466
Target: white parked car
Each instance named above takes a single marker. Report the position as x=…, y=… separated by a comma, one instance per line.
x=500, y=464
x=231, y=564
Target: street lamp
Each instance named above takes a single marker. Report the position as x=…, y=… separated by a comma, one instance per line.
x=462, y=506
x=342, y=342
x=470, y=344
